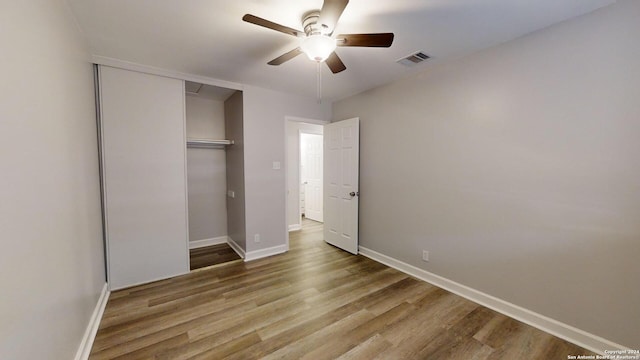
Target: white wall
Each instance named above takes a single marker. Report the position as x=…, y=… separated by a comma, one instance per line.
x=206, y=170
x=264, y=136
x=517, y=168
x=293, y=167
x=52, y=260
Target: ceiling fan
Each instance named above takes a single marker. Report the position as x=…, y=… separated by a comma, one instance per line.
x=317, y=40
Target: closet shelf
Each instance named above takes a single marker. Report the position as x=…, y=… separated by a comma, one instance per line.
x=208, y=144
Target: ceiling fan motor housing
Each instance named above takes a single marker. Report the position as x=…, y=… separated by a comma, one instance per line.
x=311, y=25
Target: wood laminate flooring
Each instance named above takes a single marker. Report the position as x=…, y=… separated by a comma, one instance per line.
x=314, y=302
x=211, y=255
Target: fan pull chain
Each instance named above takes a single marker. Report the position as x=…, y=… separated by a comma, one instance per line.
x=318, y=64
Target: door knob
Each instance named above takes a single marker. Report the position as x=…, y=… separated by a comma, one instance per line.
x=353, y=193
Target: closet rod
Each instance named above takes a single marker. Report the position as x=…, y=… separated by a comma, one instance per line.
x=205, y=143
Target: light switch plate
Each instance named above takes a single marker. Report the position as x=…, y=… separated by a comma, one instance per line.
x=276, y=165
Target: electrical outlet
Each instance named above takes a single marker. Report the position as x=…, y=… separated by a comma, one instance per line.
x=425, y=255
x=256, y=238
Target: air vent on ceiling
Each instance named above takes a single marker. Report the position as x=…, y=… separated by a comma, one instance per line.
x=413, y=59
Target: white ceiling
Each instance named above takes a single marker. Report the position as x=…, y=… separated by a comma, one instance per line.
x=208, y=37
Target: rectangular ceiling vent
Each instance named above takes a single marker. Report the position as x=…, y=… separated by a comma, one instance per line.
x=413, y=59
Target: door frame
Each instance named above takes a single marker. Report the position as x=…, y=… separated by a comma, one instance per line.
x=287, y=120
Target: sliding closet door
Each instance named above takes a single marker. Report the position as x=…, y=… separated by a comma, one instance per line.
x=144, y=176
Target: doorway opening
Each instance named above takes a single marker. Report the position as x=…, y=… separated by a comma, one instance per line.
x=311, y=199
x=211, y=121
x=304, y=164
x=340, y=177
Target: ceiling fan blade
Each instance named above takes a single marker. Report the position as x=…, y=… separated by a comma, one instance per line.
x=271, y=25
x=366, y=40
x=285, y=57
x=335, y=64
x=330, y=13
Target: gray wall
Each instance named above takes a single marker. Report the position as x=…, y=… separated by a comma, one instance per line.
x=265, y=140
x=206, y=170
x=234, y=123
x=52, y=260
x=517, y=168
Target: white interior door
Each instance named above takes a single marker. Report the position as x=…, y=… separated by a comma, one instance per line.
x=341, y=168
x=311, y=174
x=143, y=149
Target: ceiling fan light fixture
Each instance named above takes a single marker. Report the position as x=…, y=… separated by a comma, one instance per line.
x=318, y=47
x=317, y=41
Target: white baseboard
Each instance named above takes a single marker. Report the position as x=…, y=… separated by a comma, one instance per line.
x=259, y=254
x=234, y=245
x=208, y=242
x=567, y=332
x=295, y=227
x=92, y=329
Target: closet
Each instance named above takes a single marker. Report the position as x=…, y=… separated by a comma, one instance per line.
x=206, y=173
x=159, y=190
